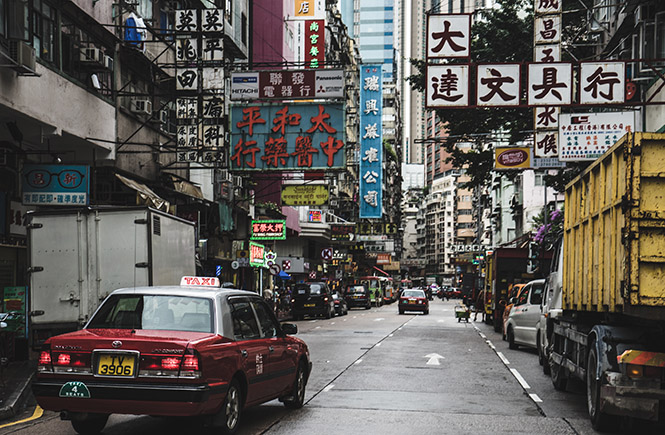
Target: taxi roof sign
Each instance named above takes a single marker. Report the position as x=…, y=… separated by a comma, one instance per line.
x=200, y=281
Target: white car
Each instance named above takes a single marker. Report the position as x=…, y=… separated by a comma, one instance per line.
x=521, y=327
x=550, y=308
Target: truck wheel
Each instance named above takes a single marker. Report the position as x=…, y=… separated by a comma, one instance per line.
x=91, y=424
x=541, y=360
x=497, y=323
x=599, y=420
x=511, y=339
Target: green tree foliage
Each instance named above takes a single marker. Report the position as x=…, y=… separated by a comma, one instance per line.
x=503, y=34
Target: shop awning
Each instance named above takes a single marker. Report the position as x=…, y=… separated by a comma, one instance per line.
x=186, y=187
x=381, y=270
x=146, y=195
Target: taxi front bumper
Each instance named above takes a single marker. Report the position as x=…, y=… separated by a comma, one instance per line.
x=138, y=399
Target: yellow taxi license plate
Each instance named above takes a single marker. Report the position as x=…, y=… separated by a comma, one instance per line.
x=116, y=365
x=309, y=305
x=412, y=301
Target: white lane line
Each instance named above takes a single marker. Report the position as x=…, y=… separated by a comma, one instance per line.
x=377, y=344
x=379, y=319
x=332, y=323
x=312, y=321
x=390, y=335
x=317, y=327
x=503, y=358
x=343, y=320
x=483, y=336
x=535, y=398
x=359, y=361
x=520, y=379
x=328, y=388
x=355, y=317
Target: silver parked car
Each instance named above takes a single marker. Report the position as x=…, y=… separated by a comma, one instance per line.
x=525, y=315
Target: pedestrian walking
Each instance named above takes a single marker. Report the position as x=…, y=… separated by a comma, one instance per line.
x=480, y=306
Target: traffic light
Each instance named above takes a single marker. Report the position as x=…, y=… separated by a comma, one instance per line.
x=533, y=256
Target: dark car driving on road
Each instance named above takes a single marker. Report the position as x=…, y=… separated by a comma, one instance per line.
x=357, y=295
x=312, y=299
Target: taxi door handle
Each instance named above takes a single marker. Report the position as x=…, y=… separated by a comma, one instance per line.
x=271, y=349
x=243, y=353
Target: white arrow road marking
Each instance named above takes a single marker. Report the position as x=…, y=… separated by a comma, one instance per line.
x=520, y=379
x=328, y=388
x=433, y=359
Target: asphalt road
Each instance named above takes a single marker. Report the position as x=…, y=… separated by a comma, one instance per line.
x=378, y=372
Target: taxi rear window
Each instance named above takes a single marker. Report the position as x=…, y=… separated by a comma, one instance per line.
x=158, y=312
x=356, y=289
x=413, y=294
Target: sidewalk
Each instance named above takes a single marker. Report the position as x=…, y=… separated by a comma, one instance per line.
x=15, y=387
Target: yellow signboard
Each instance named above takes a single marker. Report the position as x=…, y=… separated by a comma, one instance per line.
x=512, y=158
x=308, y=194
x=304, y=8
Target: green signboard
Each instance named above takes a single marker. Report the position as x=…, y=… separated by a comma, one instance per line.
x=13, y=307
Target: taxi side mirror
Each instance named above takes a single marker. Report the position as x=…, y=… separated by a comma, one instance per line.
x=512, y=301
x=289, y=328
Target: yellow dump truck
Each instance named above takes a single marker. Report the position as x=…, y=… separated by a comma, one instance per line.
x=608, y=275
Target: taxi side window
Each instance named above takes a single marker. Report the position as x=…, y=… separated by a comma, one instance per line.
x=244, y=321
x=266, y=321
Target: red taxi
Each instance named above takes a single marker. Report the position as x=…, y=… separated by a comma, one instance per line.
x=413, y=300
x=188, y=350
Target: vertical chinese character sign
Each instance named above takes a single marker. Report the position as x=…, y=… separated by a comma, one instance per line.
x=314, y=43
x=371, y=142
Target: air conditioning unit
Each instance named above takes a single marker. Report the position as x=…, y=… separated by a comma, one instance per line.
x=92, y=55
x=24, y=55
x=108, y=62
x=141, y=105
x=164, y=116
x=223, y=176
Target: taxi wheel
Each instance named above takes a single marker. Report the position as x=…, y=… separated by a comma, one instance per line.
x=91, y=424
x=297, y=399
x=231, y=408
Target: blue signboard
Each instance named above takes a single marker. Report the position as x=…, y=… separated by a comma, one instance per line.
x=291, y=137
x=371, y=142
x=55, y=185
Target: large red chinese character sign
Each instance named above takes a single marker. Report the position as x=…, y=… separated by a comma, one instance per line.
x=287, y=137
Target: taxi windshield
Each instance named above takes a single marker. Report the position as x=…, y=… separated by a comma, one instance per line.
x=158, y=312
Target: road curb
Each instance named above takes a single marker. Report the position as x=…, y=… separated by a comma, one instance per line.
x=16, y=399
